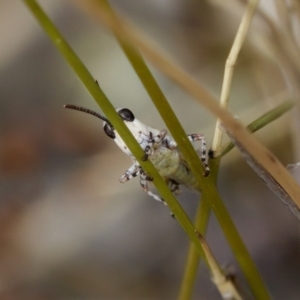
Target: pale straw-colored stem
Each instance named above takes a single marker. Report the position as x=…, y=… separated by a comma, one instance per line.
x=229, y=67
x=163, y=62
x=224, y=283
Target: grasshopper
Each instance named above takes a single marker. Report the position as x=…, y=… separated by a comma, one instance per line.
x=158, y=147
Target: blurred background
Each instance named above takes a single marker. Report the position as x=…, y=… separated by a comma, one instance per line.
x=69, y=229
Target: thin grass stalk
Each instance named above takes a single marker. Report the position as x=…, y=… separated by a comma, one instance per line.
x=162, y=104
x=230, y=231
x=263, y=156
x=242, y=253
x=261, y=122
x=224, y=282
x=117, y=122
x=193, y=259
x=203, y=210
x=230, y=63
x=159, y=100
x=201, y=222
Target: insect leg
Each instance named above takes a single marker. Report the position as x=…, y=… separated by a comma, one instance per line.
x=200, y=137
x=169, y=143
x=132, y=172
x=144, y=178
x=154, y=142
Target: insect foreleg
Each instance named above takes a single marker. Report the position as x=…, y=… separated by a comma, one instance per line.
x=132, y=172
x=135, y=170
x=200, y=137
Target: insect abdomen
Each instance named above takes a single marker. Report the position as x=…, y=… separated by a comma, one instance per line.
x=183, y=175
x=170, y=165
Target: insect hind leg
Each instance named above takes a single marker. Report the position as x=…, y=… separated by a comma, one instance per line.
x=200, y=137
x=144, y=184
x=144, y=178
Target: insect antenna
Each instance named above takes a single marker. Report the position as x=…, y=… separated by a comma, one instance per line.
x=88, y=111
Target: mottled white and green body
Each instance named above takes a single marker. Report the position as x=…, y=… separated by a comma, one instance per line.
x=171, y=165
x=159, y=148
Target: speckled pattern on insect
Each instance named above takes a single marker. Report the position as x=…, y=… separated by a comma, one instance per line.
x=158, y=147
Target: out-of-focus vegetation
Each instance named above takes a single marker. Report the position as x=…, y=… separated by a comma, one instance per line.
x=69, y=229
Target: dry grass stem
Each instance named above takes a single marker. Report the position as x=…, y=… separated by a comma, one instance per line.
x=127, y=31
x=229, y=67
x=223, y=282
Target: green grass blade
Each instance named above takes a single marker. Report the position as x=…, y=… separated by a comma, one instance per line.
x=110, y=112
x=203, y=211
x=262, y=121
x=160, y=102
x=193, y=259
x=209, y=191
x=206, y=184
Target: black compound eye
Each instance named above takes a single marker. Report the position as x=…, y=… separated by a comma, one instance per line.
x=109, y=131
x=126, y=114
